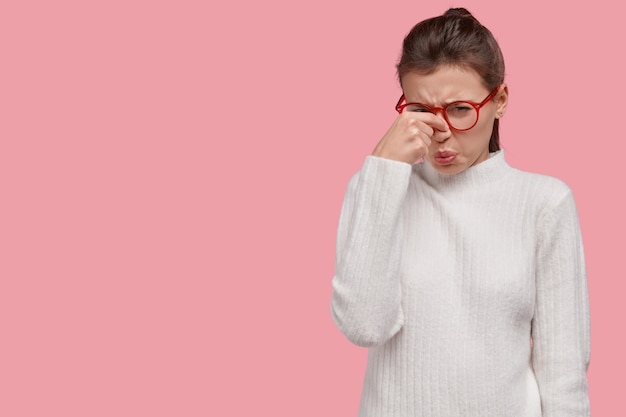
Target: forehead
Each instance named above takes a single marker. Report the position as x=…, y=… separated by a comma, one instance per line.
x=445, y=84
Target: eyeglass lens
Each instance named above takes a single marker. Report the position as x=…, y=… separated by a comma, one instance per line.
x=459, y=115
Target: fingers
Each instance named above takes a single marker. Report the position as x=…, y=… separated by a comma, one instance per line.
x=437, y=123
x=411, y=135
x=421, y=146
x=423, y=135
x=407, y=140
x=418, y=127
x=438, y=129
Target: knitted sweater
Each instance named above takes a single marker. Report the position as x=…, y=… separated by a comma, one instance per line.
x=469, y=291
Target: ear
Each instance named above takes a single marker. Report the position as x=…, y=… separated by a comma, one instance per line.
x=501, y=99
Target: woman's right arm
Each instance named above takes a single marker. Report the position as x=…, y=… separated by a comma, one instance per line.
x=366, y=300
x=366, y=295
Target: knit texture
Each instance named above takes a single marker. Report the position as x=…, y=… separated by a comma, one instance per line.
x=446, y=279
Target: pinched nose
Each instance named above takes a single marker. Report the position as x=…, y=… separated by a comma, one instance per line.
x=442, y=135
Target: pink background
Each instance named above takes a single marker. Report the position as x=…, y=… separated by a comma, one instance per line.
x=171, y=174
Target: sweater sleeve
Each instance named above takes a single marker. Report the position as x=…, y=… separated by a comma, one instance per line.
x=561, y=324
x=366, y=297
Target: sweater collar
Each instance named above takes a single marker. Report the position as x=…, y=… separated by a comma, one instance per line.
x=490, y=170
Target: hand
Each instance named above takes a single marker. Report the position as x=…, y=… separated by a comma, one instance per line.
x=409, y=137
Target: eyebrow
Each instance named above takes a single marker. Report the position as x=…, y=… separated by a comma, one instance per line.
x=445, y=103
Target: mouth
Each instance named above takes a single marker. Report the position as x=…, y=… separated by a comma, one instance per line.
x=444, y=157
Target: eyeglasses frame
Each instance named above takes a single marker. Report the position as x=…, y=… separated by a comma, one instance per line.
x=434, y=110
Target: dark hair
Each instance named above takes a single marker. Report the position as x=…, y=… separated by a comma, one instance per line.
x=456, y=38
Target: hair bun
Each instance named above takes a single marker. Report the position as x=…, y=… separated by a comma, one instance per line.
x=458, y=11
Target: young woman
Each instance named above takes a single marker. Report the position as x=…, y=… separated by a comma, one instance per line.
x=463, y=276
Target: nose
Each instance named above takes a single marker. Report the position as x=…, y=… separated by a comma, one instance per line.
x=442, y=135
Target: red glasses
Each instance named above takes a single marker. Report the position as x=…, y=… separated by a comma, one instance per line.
x=460, y=115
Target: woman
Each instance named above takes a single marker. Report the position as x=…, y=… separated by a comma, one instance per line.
x=464, y=277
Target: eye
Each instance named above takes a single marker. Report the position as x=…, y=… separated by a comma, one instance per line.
x=418, y=108
x=459, y=109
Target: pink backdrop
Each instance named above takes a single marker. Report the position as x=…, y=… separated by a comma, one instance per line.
x=171, y=174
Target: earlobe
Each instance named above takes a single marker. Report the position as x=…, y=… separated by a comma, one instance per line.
x=502, y=99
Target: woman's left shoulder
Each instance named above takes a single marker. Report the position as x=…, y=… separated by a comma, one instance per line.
x=544, y=189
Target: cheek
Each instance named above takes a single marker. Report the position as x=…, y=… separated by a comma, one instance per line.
x=486, y=119
x=476, y=140
x=484, y=128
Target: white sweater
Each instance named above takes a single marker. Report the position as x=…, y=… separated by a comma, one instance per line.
x=446, y=278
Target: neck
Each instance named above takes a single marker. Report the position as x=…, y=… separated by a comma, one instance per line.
x=488, y=171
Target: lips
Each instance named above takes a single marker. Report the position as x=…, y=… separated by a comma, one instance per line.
x=444, y=157
x=444, y=154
